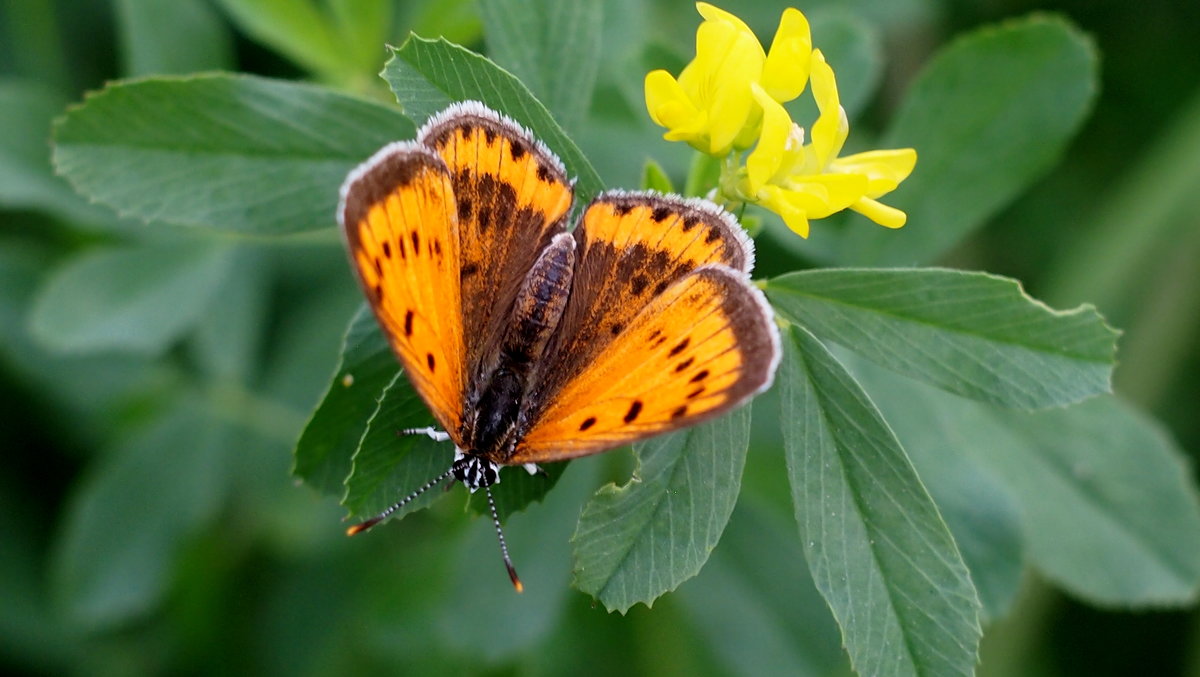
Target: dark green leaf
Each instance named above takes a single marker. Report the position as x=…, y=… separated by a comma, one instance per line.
x=134, y=512
x=226, y=152
x=988, y=116
x=137, y=299
x=974, y=334
x=756, y=606
x=325, y=452
x=637, y=542
x=553, y=47
x=878, y=549
x=428, y=75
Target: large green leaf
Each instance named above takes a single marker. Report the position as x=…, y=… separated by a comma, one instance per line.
x=878, y=549
x=988, y=116
x=1106, y=506
x=428, y=75
x=325, y=452
x=226, y=152
x=974, y=334
x=131, y=514
x=136, y=299
x=553, y=47
x=639, y=541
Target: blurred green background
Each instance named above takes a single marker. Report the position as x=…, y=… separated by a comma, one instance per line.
x=148, y=518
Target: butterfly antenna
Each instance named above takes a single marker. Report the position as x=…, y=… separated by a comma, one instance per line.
x=512, y=572
x=363, y=526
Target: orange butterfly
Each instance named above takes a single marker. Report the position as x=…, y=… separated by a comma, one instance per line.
x=533, y=344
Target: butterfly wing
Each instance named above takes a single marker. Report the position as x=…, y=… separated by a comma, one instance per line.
x=662, y=329
x=512, y=198
x=702, y=347
x=399, y=218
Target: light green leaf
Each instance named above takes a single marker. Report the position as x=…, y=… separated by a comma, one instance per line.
x=553, y=47
x=637, y=542
x=654, y=177
x=1110, y=511
x=325, y=452
x=226, y=152
x=974, y=334
x=428, y=75
x=878, y=549
x=988, y=116
x=137, y=299
x=132, y=514
x=181, y=36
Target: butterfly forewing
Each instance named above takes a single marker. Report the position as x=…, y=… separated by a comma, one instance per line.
x=512, y=198
x=702, y=347
x=399, y=218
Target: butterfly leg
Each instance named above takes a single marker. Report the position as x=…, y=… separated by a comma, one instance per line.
x=435, y=435
x=533, y=469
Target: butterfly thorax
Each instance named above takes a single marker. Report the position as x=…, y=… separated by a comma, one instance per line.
x=500, y=392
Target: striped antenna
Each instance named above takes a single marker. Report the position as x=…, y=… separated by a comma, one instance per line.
x=363, y=526
x=512, y=572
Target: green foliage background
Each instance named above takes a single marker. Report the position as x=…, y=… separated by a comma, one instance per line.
x=159, y=362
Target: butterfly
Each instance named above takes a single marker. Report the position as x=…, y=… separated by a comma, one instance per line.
x=531, y=343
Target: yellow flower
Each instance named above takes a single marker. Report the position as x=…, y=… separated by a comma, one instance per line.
x=711, y=105
x=802, y=181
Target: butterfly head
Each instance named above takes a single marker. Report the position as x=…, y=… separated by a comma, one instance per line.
x=475, y=472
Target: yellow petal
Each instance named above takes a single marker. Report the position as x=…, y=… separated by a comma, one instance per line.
x=888, y=217
x=830, y=130
x=713, y=13
x=828, y=193
x=777, y=200
x=884, y=169
x=785, y=72
x=767, y=156
x=666, y=101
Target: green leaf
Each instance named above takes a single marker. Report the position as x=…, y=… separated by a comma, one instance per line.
x=134, y=512
x=878, y=549
x=974, y=334
x=654, y=177
x=226, y=152
x=295, y=28
x=637, y=542
x=325, y=452
x=428, y=75
x=228, y=339
x=988, y=116
x=27, y=180
x=518, y=490
x=182, y=36
x=980, y=510
x=1110, y=511
x=782, y=626
x=389, y=466
x=501, y=624
x=553, y=47
x=138, y=299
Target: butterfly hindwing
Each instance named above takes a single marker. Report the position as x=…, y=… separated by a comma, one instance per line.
x=512, y=198
x=630, y=247
x=399, y=218
x=703, y=346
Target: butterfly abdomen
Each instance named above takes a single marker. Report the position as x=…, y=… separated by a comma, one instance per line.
x=534, y=318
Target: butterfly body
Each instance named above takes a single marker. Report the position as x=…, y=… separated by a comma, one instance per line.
x=533, y=344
